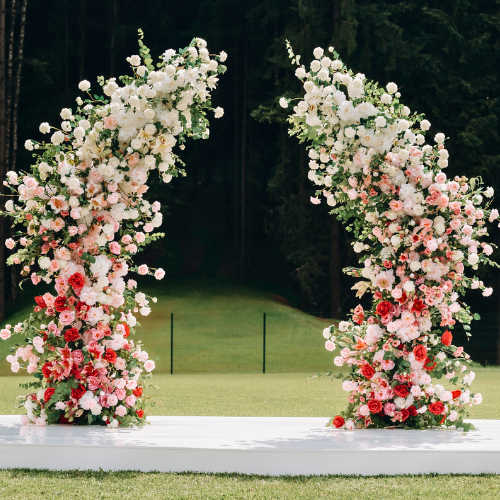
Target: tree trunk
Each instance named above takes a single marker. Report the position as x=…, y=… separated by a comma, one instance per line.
x=66, y=48
x=243, y=162
x=2, y=153
x=236, y=158
x=336, y=293
x=113, y=14
x=17, y=88
x=9, y=79
x=83, y=26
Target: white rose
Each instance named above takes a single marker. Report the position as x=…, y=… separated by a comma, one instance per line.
x=218, y=112
x=409, y=286
x=57, y=137
x=489, y=192
x=44, y=128
x=473, y=259
x=283, y=103
x=331, y=201
x=300, y=72
x=79, y=132
x=418, y=210
x=134, y=60
x=425, y=124
x=315, y=65
x=380, y=121
x=84, y=85
x=439, y=138
x=415, y=265
x=65, y=114
x=403, y=124
x=44, y=262
x=395, y=240
x=223, y=56
x=85, y=124
x=391, y=87
x=318, y=52
x=386, y=98
x=141, y=71
x=28, y=145
x=405, y=111
x=358, y=247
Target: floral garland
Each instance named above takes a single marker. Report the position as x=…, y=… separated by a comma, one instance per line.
x=85, y=216
x=418, y=231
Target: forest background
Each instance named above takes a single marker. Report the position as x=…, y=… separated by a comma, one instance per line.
x=243, y=212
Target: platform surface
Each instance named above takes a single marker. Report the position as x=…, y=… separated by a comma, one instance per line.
x=252, y=445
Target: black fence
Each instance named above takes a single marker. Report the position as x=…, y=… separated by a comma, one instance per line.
x=274, y=342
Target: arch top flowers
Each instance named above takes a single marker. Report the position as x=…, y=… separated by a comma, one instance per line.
x=85, y=216
x=417, y=231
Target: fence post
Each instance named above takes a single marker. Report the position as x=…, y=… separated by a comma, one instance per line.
x=264, y=347
x=171, y=343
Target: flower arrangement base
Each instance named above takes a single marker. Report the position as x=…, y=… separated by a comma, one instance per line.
x=251, y=445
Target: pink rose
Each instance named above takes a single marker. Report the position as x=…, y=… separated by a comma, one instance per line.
x=149, y=365
x=140, y=238
x=121, y=411
x=10, y=243
x=77, y=356
x=115, y=248
x=329, y=345
x=160, y=273
x=130, y=400
x=456, y=224
x=148, y=227
x=315, y=201
x=143, y=269
x=72, y=230
x=4, y=334
x=389, y=409
x=40, y=422
x=25, y=420
x=67, y=317
x=126, y=239
x=112, y=400
x=110, y=122
x=121, y=394
x=363, y=410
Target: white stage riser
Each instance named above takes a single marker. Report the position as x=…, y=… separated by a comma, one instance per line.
x=251, y=445
x=272, y=463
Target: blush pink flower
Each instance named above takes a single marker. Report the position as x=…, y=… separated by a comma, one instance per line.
x=143, y=269
x=121, y=411
x=160, y=273
x=115, y=248
x=67, y=317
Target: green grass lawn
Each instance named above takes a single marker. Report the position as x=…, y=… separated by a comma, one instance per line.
x=29, y=484
x=218, y=327
x=265, y=395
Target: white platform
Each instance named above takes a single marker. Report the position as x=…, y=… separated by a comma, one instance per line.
x=252, y=445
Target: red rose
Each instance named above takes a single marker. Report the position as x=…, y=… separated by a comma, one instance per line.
x=338, y=421
x=367, y=371
x=456, y=394
x=81, y=305
x=413, y=410
x=137, y=392
x=447, y=337
x=401, y=391
x=63, y=420
x=78, y=392
x=420, y=353
x=383, y=308
x=46, y=370
x=437, y=408
x=77, y=280
x=48, y=394
x=140, y=413
x=375, y=406
x=60, y=304
x=110, y=356
x=71, y=335
x=404, y=414
x=39, y=300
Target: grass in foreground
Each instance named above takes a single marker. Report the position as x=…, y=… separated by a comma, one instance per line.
x=264, y=395
x=218, y=327
x=34, y=484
